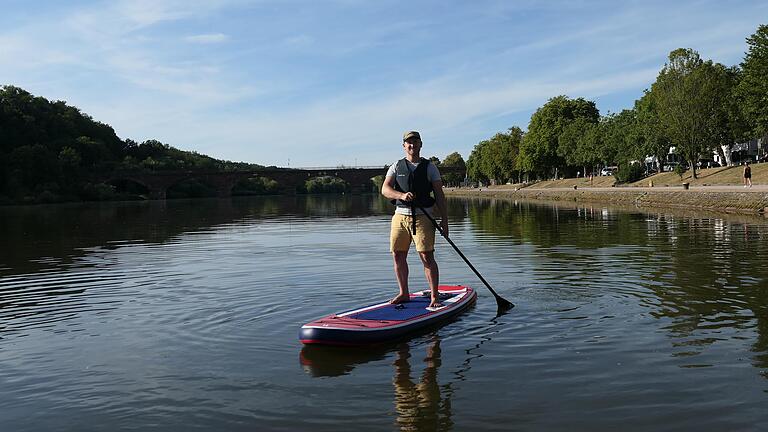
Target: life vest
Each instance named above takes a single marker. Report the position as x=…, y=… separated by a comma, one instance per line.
x=416, y=182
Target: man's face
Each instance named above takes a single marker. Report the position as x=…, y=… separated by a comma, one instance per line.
x=412, y=146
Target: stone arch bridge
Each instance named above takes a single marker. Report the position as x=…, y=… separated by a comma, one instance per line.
x=158, y=182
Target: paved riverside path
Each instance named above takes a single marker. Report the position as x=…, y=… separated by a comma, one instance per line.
x=712, y=188
x=726, y=198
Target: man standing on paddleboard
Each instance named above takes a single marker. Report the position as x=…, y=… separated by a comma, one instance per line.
x=412, y=184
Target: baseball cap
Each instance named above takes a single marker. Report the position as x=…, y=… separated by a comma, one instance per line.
x=411, y=134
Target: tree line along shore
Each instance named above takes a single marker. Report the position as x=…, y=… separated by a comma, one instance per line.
x=695, y=111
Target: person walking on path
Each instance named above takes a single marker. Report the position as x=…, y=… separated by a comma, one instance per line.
x=747, y=175
x=413, y=183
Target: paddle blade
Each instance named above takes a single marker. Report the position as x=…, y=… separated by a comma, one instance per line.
x=503, y=306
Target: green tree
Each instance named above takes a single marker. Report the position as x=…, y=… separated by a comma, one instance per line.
x=70, y=158
x=33, y=166
x=453, y=160
x=506, y=148
x=731, y=125
x=690, y=103
x=580, y=144
x=649, y=130
x=494, y=160
x=255, y=186
x=69, y=161
x=326, y=184
x=753, y=87
x=476, y=161
x=539, y=148
x=621, y=141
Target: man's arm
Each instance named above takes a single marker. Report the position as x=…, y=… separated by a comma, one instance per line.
x=389, y=191
x=442, y=206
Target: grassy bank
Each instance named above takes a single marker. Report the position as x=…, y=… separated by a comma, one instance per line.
x=721, y=176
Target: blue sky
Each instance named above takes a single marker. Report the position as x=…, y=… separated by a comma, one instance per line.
x=325, y=83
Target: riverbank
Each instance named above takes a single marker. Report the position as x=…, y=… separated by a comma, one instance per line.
x=714, y=190
x=706, y=198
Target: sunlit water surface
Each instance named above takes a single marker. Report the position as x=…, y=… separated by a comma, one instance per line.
x=183, y=315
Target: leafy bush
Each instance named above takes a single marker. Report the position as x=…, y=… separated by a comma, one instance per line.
x=190, y=188
x=47, y=197
x=628, y=173
x=680, y=170
x=256, y=186
x=97, y=192
x=326, y=185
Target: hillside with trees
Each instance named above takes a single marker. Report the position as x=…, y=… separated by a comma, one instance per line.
x=52, y=152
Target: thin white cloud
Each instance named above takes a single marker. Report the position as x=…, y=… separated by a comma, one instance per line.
x=299, y=41
x=122, y=16
x=209, y=38
x=348, y=127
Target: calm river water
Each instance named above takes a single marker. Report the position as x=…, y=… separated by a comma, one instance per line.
x=184, y=315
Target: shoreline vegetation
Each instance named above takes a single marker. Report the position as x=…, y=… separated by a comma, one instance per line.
x=715, y=189
x=696, y=114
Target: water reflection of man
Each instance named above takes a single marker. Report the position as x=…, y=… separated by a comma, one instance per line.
x=420, y=407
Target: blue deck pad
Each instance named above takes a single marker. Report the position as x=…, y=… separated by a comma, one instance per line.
x=416, y=307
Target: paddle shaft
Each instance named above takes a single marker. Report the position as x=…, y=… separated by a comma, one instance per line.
x=501, y=302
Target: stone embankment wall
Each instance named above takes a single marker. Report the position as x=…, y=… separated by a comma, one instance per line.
x=727, y=201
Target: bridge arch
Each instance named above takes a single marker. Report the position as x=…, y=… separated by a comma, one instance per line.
x=256, y=185
x=324, y=184
x=129, y=187
x=192, y=187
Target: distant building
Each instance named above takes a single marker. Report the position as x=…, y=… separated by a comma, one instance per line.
x=753, y=150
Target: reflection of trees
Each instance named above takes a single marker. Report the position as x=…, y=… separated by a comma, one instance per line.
x=36, y=238
x=713, y=281
x=707, y=274
x=458, y=209
x=347, y=205
x=552, y=225
x=61, y=233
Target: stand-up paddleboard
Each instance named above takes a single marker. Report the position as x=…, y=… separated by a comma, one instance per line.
x=384, y=321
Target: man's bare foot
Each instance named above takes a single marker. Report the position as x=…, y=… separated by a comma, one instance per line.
x=435, y=304
x=401, y=298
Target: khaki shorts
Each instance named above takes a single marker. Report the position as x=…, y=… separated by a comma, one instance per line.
x=400, y=234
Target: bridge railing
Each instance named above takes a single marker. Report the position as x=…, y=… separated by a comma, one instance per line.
x=338, y=167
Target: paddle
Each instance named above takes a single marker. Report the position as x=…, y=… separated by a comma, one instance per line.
x=503, y=305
